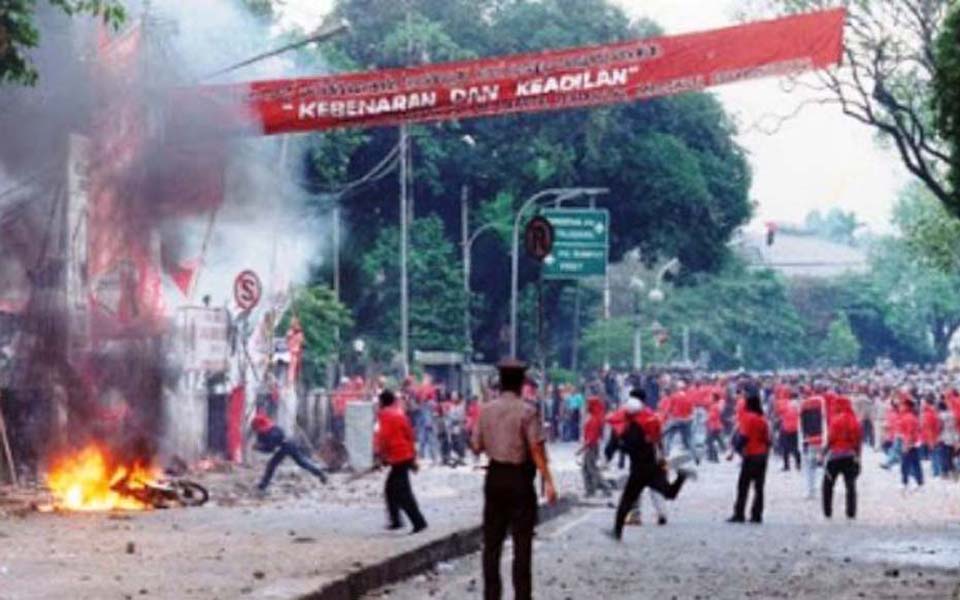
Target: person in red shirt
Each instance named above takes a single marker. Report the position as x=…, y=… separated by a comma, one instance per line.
x=908, y=426
x=930, y=429
x=592, y=434
x=395, y=447
x=753, y=443
x=715, y=430
x=271, y=439
x=789, y=433
x=641, y=439
x=844, y=440
x=680, y=421
x=812, y=430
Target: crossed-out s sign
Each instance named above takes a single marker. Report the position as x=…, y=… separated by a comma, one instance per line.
x=247, y=290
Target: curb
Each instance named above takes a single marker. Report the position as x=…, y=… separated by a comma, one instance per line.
x=416, y=561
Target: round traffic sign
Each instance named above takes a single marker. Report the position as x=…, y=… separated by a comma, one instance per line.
x=538, y=238
x=247, y=290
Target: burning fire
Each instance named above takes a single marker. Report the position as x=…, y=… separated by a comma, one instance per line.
x=88, y=481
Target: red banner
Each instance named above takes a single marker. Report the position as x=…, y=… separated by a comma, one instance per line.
x=554, y=80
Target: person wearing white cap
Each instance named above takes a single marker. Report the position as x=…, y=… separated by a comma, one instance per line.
x=641, y=439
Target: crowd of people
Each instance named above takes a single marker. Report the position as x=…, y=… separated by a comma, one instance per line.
x=815, y=422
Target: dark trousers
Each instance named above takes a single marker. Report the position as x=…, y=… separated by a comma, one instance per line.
x=399, y=496
x=910, y=466
x=287, y=449
x=612, y=447
x=753, y=470
x=715, y=445
x=641, y=476
x=848, y=467
x=790, y=446
x=869, y=436
x=510, y=504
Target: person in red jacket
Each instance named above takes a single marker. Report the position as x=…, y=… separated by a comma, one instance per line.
x=715, y=430
x=789, y=433
x=843, y=456
x=395, y=446
x=753, y=443
x=909, y=433
x=592, y=434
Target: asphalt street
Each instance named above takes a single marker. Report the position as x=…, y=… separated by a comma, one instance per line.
x=903, y=545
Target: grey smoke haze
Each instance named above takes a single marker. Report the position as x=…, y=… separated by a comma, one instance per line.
x=164, y=189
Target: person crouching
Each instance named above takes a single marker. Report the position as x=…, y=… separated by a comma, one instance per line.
x=272, y=439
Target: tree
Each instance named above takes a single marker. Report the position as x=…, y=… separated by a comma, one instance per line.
x=840, y=348
x=947, y=91
x=737, y=317
x=923, y=302
x=436, y=292
x=679, y=182
x=19, y=32
x=928, y=230
x=321, y=316
x=887, y=77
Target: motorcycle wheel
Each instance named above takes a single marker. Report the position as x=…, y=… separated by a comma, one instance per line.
x=190, y=493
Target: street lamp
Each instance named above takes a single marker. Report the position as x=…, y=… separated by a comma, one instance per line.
x=558, y=195
x=637, y=285
x=321, y=35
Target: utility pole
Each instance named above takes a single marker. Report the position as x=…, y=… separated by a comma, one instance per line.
x=465, y=237
x=336, y=288
x=404, y=243
x=405, y=231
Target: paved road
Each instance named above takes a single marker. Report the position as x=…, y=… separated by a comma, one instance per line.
x=292, y=543
x=902, y=546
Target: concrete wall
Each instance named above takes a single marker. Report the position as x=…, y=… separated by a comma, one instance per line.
x=359, y=434
x=185, y=419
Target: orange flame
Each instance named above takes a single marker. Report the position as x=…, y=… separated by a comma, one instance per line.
x=85, y=482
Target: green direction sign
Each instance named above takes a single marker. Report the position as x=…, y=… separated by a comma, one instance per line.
x=581, y=243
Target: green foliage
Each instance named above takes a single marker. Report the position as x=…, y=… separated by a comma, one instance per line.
x=679, y=182
x=929, y=231
x=321, y=316
x=436, y=292
x=946, y=95
x=836, y=226
x=840, y=348
x=730, y=310
x=19, y=32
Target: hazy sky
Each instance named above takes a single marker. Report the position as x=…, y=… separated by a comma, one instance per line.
x=816, y=160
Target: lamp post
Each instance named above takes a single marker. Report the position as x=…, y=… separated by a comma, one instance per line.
x=637, y=285
x=558, y=195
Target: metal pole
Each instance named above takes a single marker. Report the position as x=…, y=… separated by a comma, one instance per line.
x=515, y=264
x=575, y=358
x=336, y=288
x=686, y=344
x=637, y=337
x=465, y=236
x=562, y=194
x=404, y=241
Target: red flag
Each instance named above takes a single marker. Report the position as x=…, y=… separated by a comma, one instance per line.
x=183, y=274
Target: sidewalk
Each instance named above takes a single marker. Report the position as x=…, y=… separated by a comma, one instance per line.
x=292, y=544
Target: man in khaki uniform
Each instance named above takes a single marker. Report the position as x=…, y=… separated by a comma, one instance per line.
x=510, y=431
